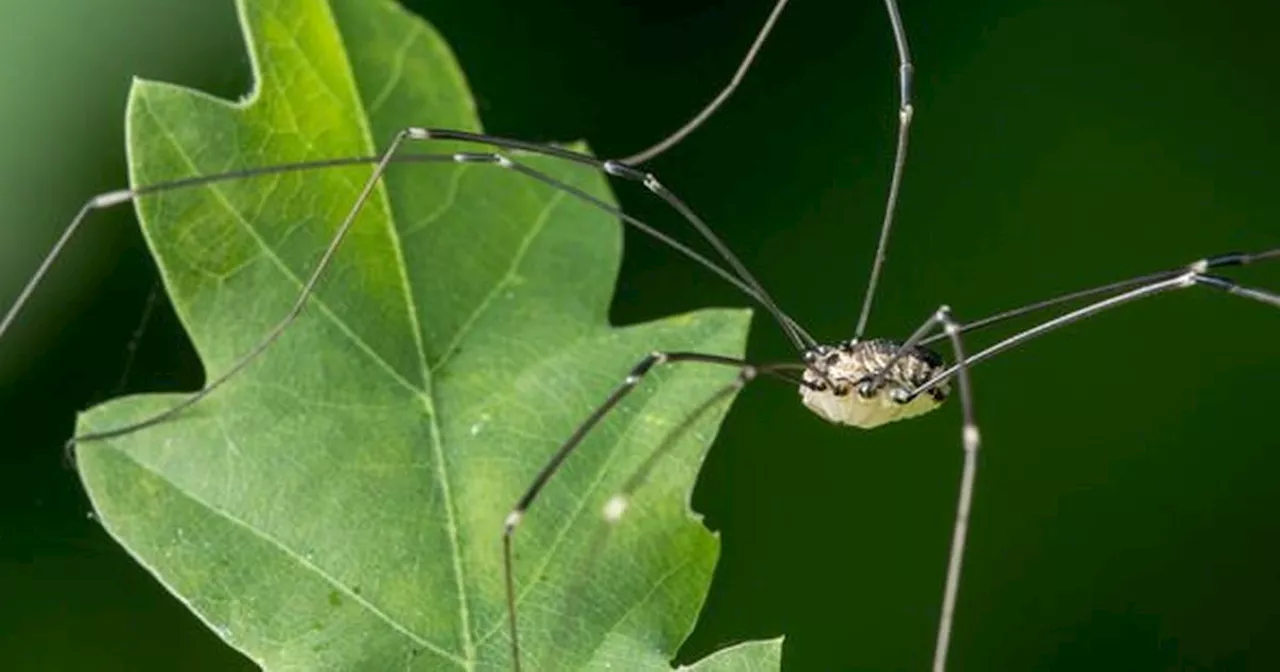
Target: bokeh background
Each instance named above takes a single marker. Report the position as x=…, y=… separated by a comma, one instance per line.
x=1126, y=506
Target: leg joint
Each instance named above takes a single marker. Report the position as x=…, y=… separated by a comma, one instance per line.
x=1228, y=259
x=1214, y=281
x=512, y=522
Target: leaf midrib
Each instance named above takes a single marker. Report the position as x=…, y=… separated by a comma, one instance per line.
x=468, y=659
x=427, y=399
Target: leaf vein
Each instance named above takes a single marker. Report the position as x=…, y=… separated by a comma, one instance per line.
x=428, y=398
x=638, y=415
x=293, y=555
x=397, y=69
x=539, y=226
x=270, y=254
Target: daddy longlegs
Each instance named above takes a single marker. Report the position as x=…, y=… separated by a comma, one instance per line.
x=858, y=382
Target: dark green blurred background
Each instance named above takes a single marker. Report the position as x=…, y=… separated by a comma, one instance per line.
x=1125, y=514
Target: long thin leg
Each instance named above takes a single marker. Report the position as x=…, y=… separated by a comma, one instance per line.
x=618, y=503
x=274, y=333
x=121, y=196
x=906, y=111
x=117, y=197
x=1193, y=275
x=1229, y=259
x=383, y=161
x=746, y=370
x=702, y=115
x=799, y=337
x=971, y=439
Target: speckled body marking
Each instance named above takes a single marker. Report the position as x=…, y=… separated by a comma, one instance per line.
x=838, y=383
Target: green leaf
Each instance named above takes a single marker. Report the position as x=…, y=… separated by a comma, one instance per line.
x=339, y=504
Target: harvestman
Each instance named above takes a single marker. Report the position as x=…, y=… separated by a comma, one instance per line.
x=857, y=382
